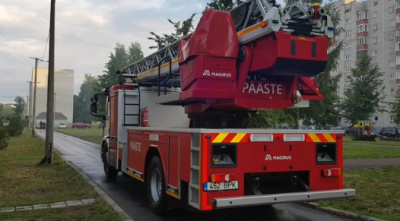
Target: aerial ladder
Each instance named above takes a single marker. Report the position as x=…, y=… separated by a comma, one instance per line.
x=255, y=49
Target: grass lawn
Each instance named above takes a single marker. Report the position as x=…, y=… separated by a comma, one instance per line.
x=360, y=151
x=378, y=193
x=93, y=134
x=23, y=182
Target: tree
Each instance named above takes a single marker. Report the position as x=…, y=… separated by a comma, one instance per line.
x=365, y=92
x=15, y=125
x=81, y=101
x=3, y=136
x=270, y=119
x=19, y=106
x=119, y=59
x=224, y=5
x=181, y=30
x=395, y=109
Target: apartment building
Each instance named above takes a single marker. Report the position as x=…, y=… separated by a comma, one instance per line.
x=63, y=95
x=371, y=27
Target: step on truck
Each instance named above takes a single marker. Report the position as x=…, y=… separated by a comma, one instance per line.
x=177, y=119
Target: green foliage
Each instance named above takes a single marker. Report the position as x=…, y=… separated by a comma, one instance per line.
x=15, y=125
x=270, y=119
x=3, y=137
x=82, y=101
x=365, y=92
x=395, y=109
x=19, y=105
x=181, y=30
x=224, y=5
x=304, y=1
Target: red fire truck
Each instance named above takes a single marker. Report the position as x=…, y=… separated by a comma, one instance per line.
x=177, y=120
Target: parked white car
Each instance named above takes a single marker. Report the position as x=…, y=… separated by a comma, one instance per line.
x=62, y=126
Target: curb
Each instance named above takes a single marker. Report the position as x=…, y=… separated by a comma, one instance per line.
x=101, y=193
x=339, y=212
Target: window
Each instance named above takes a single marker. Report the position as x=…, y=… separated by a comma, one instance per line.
x=348, y=69
x=397, y=87
x=392, y=91
x=361, y=53
x=398, y=4
x=347, y=57
x=361, y=15
x=392, y=22
x=347, y=45
x=375, y=27
x=374, y=53
x=391, y=9
x=398, y=75
x=348, y=33
x=391, y=50
x=347, y=20
x=397, y=18
x=391, y=37
x=397, y=60
x=392, y=64
x=375, y=3
x=397, y=32
x=391, y=77
x=392, y=119
x=363, y=28
x=361, y=41
x=375, y=40
x=398, y=46
x=376, y=118
x=374, y=14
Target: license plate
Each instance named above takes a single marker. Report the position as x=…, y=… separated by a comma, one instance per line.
x=231, y=185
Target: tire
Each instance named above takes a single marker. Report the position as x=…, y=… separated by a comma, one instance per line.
x=155, y=187
x=109, y=170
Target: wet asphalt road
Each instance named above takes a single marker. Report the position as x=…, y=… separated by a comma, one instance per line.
x=129, y=194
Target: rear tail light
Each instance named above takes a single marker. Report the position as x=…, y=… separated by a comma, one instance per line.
x=332, y=172
x=222, y=177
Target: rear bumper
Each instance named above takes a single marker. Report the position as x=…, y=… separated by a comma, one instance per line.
x=255, y=200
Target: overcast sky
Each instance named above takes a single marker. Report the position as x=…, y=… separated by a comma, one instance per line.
x=86, y=33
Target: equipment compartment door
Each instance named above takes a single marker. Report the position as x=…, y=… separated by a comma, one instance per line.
x=173, y=162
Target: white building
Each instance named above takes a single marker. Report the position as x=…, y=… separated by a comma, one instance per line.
x=371, y=27
x=63, y=93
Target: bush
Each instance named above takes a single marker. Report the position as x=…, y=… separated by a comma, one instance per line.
x=15, y=125
x=3, y=137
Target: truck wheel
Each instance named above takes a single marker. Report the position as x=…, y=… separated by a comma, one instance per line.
x=155, y=186
x=109, y=170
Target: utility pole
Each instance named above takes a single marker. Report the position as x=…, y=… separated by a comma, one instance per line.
x=34, y=96
x=30, y=105
x=48, y=155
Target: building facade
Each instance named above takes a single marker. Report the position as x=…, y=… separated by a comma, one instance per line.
x=371, y=27
x=63, y=93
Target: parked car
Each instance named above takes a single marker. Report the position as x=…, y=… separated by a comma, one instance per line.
x=62, y=126
x=390, y=132
x=81, y=125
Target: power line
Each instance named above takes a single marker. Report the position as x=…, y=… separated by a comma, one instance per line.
x=45, y=47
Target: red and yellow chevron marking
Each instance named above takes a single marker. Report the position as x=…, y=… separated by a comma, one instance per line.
x=318, y=138
x=229, y=138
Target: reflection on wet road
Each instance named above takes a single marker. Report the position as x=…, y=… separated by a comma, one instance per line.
x=129, y=194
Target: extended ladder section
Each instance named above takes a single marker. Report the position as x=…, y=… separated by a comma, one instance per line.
x=298, y=18
x=240, y=59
